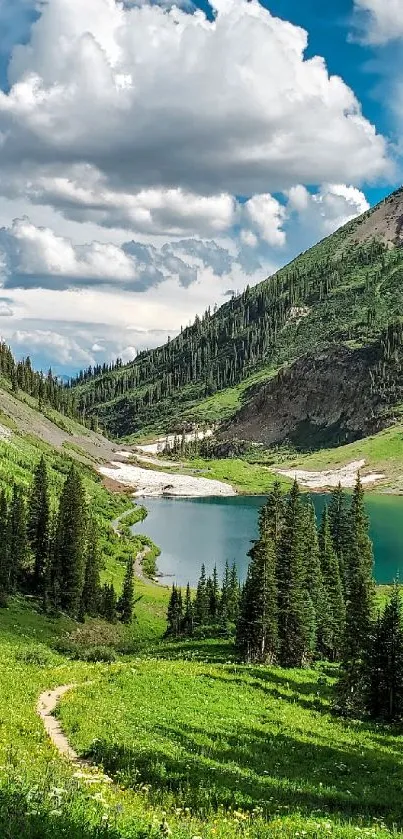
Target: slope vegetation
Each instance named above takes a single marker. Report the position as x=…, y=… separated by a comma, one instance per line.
x=346, y=291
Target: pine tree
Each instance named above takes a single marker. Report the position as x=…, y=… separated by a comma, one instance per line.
x=295, y=610
x=125, y=604
x=274, y=513
x=359, y=603
x=339, y=524
x=335, y=611
x=233, y=595
x=69, y=563
x=313, y=582
x=38, y=523
x=91, y=590
x=225, y=593
x=108, y=601
x=187, y=623
x=257, y=629
x=201, y=604
x=175, y=612
x=214, y=597
x=384, y=678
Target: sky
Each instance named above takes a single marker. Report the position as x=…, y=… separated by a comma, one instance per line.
x=155, y=159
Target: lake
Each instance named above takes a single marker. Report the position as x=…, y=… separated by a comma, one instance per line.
x=191, y=531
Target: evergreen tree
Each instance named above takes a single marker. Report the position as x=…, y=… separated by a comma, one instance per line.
x=38, y=523
x=313, y=582
x=214, y=597
x=274, y=513
x=335, y=611
x=175, y=612
x=225, y=593
x=125, y=605
x=233, y=595
x=91, y=590
x=108, y=602
x=257, y=630
x=187, y=623
x=295, y=609
x=384, y=677
x=339, y=524
x=359, y=604
x=201, y=604
x=69, y=563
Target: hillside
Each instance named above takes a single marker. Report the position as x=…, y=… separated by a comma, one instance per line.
x=346, y=292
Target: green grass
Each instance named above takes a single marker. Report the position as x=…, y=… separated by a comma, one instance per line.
x=239, y=748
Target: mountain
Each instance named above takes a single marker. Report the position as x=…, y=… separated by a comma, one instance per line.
x=345, y=294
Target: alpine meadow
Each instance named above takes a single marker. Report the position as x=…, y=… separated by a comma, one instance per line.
x=201, y=419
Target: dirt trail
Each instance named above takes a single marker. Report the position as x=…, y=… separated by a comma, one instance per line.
x=47, y=703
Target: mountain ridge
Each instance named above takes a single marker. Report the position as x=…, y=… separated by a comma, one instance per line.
x=346, y=290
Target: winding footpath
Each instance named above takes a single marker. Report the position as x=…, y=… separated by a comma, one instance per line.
x=47, y=703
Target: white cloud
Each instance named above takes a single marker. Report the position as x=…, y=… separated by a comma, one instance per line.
x=328, y=209
x=267, y=215
x=379, y=21
x=60, y=348
x=38, y=251
x=173, y=108
x=248, y=238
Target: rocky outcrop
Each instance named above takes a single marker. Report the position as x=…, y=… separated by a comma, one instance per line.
x=321, y=399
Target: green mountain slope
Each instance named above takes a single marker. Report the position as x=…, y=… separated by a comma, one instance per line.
x=345, y=291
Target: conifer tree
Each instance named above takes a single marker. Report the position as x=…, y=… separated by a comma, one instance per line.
x=125, y=604
x=175, y=612
x=257, y=629
x=187, y=623
x=339, y=524
x=69, y=563
x=233, y=595
x=91, y=589
x=225, y=593
x=384, y=677
x=359, y=602
x=201, y=604
x=274, y=513
x=109, y=603
x=295, y=609
x=313, y=582
x=38, y=523
x=335, y=611
x=214, y=597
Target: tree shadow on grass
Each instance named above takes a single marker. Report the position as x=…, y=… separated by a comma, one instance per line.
x=252, y=767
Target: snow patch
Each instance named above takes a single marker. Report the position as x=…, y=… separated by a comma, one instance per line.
x=149, y=483
x=346, y=476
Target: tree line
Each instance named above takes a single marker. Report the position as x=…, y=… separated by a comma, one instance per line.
x=214, y=607
x=54, y=554
x=47, y=389
x=309, y=594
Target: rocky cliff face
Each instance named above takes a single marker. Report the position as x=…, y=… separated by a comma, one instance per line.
x=322, y=399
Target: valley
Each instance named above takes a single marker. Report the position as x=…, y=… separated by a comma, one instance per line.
x=177, y=714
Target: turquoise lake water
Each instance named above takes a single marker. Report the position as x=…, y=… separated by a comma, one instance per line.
x=191, y=531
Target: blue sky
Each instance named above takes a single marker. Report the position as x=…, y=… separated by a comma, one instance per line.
x=155, y=160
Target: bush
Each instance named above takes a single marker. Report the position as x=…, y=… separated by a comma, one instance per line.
x=35, y=655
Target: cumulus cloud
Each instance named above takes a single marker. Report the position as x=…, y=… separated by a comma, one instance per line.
x=32, y=256
x=328, y=209
x=59, y=348
x=267, y=215
x=193, y=117
x=379, y=21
